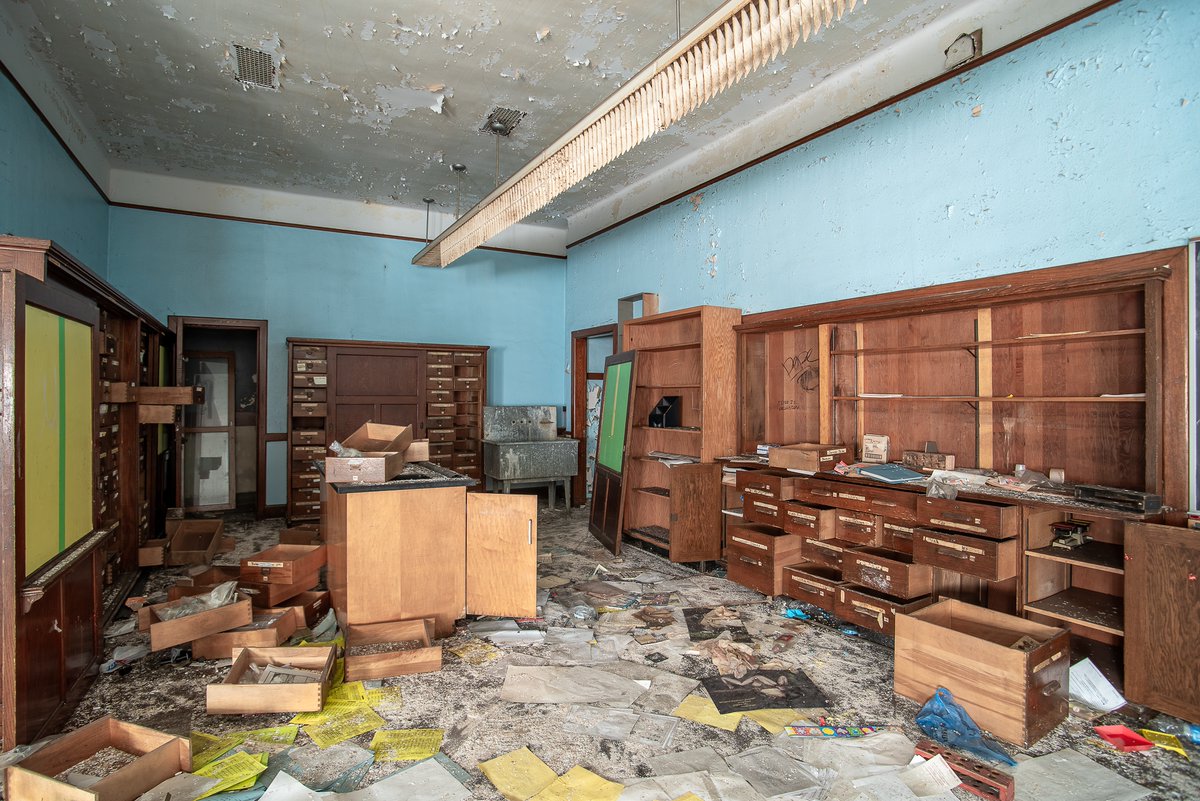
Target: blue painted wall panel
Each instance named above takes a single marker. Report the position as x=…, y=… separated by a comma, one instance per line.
x=42, y=193
x=1083, y=145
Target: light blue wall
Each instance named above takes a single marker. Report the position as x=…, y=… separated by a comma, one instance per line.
x=42, y=193
x=342, y=286
x=1085, y=146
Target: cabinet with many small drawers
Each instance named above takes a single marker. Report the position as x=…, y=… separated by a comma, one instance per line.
x=337, y=385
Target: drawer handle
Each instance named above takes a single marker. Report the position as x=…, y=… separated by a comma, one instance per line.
x=821, y=493
x=1051, y=688
x=957, y=524
x=812, y=585
x=750, y=561
x=951, y=553
x=883, y=503
x=866, y=610
x=751, y=543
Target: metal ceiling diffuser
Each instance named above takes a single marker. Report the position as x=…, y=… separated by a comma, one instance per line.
x=736, y=39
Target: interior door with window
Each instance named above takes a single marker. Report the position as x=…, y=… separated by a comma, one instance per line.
x=208, y=434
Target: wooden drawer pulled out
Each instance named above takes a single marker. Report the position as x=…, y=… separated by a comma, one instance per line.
x=813, y=583
x=887, y=572
x=992, y=520
x=992, y=560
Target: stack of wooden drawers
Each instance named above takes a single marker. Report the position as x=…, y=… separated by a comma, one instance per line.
x=454, y=408
x=758, y=550
x=309, y=409
x=866, y=552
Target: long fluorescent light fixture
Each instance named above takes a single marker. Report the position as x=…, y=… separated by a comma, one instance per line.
x=733, y=41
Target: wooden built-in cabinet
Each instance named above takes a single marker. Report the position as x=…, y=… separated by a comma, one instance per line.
x=687, y=355
x=82, y=474
x=337, y=385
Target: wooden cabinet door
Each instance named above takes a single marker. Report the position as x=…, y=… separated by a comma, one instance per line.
x=380, y=384
x=605, y=515
x=695, y=512
x=501, y=555
x=1162, y=616
x=39, y=664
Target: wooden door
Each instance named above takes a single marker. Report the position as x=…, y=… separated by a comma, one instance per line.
x=209, y=434
x=381, y=385
x=501, y=555
x=1162, y=616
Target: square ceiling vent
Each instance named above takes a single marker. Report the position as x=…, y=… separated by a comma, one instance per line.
x=501, y=121
x=256, y=67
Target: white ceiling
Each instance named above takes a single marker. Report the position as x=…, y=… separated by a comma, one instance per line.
x=377, y=101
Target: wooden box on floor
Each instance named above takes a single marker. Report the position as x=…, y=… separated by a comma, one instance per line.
x=168, y=633
x=284, y=564
x=159, y=757
x=1018, y=693
x=308, y=607
x=266, y=595
x=425, y=658
x=266, y=630
x=231, y=698
x=193, y=542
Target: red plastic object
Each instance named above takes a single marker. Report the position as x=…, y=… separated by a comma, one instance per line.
x=1123, y=738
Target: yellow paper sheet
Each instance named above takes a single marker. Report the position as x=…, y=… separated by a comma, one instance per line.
x=207, y=747
x=330, y=710
x=354, y=692
x=233, y=771
x=402, y=745
x=476, y=652
x=385, y=699
x=1166, y=741
x=580, y=784
x=773, y=720
x=518, y=775
x=689, y=797
x=251, y=781
x=703, y=710
x=353, y=721
x=275, y=735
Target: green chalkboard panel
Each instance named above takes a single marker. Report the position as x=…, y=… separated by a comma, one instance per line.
x=614, y=415
x=608, y=491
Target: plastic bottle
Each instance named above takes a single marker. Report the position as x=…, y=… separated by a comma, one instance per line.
x=1187, y=732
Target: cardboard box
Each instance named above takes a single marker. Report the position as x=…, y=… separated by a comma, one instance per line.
x=168, y=633
x=383, y=448
x=266, y=630
x=309, y=608
x=425, y=658
x=232, y=698
x=810, y=456
x=283, y=564
x=159, y=757
x=1016, y=694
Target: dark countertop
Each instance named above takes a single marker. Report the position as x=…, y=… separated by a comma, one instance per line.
x=416, y=475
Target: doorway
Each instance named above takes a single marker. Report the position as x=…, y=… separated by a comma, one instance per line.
x=222, y=443
x=589, y=348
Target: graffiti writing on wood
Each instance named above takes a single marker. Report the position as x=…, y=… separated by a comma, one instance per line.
x=803, y=369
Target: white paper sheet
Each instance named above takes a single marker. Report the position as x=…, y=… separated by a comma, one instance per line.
x=567, y=685
x=1070, y=776
x=1089, y=686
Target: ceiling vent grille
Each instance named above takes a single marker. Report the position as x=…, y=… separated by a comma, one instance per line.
x=255, y=67
x=502, y=121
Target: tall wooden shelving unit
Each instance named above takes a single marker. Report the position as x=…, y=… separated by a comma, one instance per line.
x=688, y=354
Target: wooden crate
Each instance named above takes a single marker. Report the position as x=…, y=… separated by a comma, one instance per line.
x=266, y=630
x=424, y=659
x=168, y=633
x=284, y=564
x=231, y=698
x=159, y=757
x=1018, y=695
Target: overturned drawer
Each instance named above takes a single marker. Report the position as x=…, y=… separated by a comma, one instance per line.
x=771, y=484
x=265, y=630
x=993, y=560
x=874, y=611
x=264, y=595
x=813, y=583
x=808, y=520
x=856, y=527
x=826, y=552
x=992, y=520
x=888, y=572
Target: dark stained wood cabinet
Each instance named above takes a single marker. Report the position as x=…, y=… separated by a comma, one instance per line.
x=1162, y=618
x=337, y=385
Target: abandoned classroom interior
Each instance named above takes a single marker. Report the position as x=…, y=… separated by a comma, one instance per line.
x=721, y=400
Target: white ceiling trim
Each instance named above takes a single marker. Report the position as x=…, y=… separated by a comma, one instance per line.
x=909, y=62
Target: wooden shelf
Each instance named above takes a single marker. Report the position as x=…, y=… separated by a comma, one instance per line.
x=1096, y=555
x=655, y=535
x=1089, y=336
x=998, y=399
x=658, y=492
x=1088, y=608
x=679, y=430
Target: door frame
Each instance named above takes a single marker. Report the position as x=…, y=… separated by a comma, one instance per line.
x=579, y=378
x=177, y=325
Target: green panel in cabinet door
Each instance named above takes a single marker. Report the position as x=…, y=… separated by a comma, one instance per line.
x=614, y=414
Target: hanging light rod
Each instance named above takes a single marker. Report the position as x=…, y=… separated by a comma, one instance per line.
x=737, y=38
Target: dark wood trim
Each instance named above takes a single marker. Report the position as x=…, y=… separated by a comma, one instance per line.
x=322, y=228
x=52, y=297
x=53, y=131
x=259, y=327
x=280, y=436
x=579, y=379
x=853, y=118
x=1176, y=388
x=1082, y=278
x=9, y=526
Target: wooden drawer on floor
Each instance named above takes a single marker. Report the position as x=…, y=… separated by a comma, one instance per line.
x=813, y=583
x=308, y=394
x=856, y=527
x=308, y=436
x=769, y=484
x=896, y=536
x=825, y=552
x=773, y=542
x=309, y=409
x=872, y=610
x=888, y=572
x=310, y=366
x=309, y=352
x=993, y=560
x=309, y=379
x=992, y=520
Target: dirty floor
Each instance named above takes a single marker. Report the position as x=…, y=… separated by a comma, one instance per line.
x=854, y=670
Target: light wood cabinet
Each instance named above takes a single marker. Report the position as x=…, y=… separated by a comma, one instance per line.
x=397, y=552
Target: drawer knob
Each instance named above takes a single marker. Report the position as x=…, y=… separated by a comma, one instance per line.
x=1051, y=688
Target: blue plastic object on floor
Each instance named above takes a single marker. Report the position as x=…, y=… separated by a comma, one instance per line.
x=948, y=723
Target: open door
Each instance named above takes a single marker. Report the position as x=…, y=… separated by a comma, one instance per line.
x=608, y=485
x=501, y=555
x=207, y=435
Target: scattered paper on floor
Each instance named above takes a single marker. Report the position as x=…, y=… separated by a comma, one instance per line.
x=232, y=771
x=1090, y=686
x=349, y=722
x=707, y=786
x=518, y=775
x=182, y=787
x=476, y=652
x=424, y=781
x=580, y=784
x=772, y=771
x=567, y=685
x=207, y=747
x=933, y=777
x=1070, y=776
x=773, y=720
x=385, y=699
x=338, y=768
x=406, y=745
x=702, y=710
x=593, y=721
